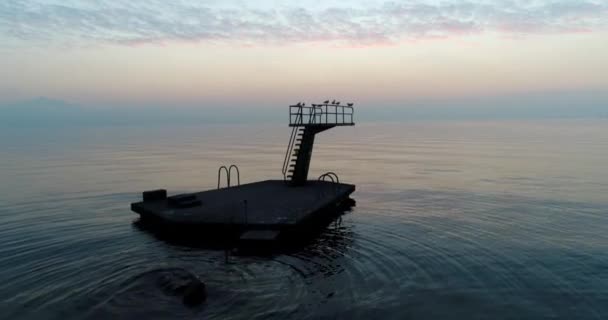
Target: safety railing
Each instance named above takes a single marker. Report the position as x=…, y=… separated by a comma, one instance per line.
x=327, y=113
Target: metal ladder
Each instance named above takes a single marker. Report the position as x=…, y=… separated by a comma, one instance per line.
x=295, y=140
x=228, y=170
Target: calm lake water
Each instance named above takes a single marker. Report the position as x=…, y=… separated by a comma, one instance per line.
x=454, y=220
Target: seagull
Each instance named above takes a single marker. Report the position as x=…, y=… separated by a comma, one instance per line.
x=338, y=102
x=326, y=101
x=299, y=104
x=350, y=104
x=333, y=102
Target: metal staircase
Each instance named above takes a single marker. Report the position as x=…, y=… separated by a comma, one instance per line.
x=306, y=123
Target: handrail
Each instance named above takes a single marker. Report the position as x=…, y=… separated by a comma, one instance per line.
x=219, y=175
x=331, y=175
x=228, y=170
x=238, y=174
x=322, y=178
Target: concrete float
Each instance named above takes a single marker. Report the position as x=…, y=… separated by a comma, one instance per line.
x=262, y=211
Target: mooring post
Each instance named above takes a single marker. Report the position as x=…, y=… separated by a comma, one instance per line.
x=228, y=240
x=246, y=217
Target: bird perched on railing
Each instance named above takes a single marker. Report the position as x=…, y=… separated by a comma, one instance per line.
x=326, y=102
x=333, y=102
x=299, y=104
x=350, y=104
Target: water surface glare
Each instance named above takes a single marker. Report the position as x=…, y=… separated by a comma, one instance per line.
x=454, y=220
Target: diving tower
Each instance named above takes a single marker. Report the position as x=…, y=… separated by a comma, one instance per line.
x=306, y=123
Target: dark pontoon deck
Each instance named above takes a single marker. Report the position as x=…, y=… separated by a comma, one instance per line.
x=262, y=211
x=264, y=205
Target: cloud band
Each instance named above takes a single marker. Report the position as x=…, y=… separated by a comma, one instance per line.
x=160, y=21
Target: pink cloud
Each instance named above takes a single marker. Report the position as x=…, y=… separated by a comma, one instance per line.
x=142, y=22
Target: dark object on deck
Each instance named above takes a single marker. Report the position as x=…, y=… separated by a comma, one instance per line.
x=264, y=211
x=154, y=195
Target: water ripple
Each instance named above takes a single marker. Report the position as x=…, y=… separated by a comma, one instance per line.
x=463, y=221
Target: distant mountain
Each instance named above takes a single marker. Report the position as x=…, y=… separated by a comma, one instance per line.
x=39, y=111
x=43, y=112
x=38, y=104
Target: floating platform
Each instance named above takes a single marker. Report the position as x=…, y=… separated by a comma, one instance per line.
x=259, y=210
x=262, y=211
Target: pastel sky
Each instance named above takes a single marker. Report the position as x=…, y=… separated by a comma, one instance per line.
x=262, y=52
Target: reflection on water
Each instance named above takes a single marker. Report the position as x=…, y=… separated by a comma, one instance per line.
x=503, y=220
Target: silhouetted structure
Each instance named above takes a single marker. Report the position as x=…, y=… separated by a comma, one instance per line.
x=306, y=123
x=265, y=210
